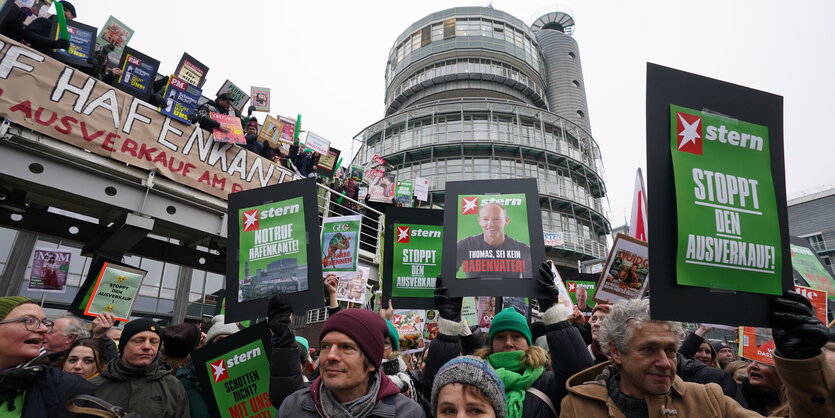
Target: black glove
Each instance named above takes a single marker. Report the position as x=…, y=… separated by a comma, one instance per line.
x=60, y=43
x=249, y=110
x=278, y=313
x=798, y=333
x=546, y=280
x=449, y=308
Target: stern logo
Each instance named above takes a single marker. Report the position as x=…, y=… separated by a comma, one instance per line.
x=689, y=129
x=403, y=234
x=219, y=372
x=469, y=205
x=250, y=220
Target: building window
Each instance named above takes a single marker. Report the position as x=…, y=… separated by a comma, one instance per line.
x=571, y=55
x=575, y=83
x=449, y=28
x=581, y=114
x=817, y=242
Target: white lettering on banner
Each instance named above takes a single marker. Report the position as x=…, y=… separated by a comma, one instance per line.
x=243, y=358
x=63, y=85
x=279, y=211
x=425, y=234
x=419, y=257
x=725, y=189
x=503, y=202
x=734, y=138
x=10, y=60
x=732, y=254
x=276, y=233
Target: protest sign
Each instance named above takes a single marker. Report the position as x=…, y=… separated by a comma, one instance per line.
x=413, y=237
x=191, y=70
x=589, y=287
x=273, y=248
x=82, y=44
x=110, y=287
x=564, y=298
x=807, y=266
x=278, y=133
x=362, y=192
x=553, y=239
x=521, y=304
x=340, y=241
x=626, y=275
x=49, y=270
x=138, y=72
x=715, y=164
x=486, y=310
x=230, y=130
x=403, y=194
x=381, y=188
x=430, y=326
x=316, y=143
x=351, y=284
x=234, y=374
x=356, y=173
x=115, y=33
x=327, y=162
x=497, y=239
x=422, y=189
x=181, y=99
x=409, y=324
x=469, y=310
x=260, y=98
x=239, y=97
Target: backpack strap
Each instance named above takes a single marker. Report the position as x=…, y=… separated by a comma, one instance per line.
x=99, y=407
x=544, y=398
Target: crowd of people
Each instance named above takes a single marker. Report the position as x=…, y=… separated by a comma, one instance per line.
x=621, y=363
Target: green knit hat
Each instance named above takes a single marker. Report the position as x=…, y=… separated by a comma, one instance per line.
x=394, y=335
x=509, y=319
x=8, y=303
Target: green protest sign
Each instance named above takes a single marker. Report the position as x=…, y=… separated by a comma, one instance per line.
x=340, y=241
x=114, y=291
x=272, y=249
x=403, y=193
x=416, y=260
x=493, y=237
x=728, y=226
x=234, y=372
x=809, y=266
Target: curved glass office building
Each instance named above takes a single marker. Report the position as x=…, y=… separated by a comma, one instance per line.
x=475, y=93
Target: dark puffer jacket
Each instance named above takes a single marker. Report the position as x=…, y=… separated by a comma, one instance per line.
x=49, y=392
x=150, y=391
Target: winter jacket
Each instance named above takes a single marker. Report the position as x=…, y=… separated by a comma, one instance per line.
x=196, y=397
x=204, y=117
x=150, y=391
x=398, y=373
x=303, y=161
x=260, y=148
x=390, y=403
x=48, y=393
x=692, y=370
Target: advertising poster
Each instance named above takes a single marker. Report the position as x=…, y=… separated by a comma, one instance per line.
x=49, y=270
x=272, y=250
x=191, y=70
x=288, y=130
x=260, y=98
x=579, y=290
x=493, y=237
x=374, y=170
x=626, y=273
x=181, y=99
x=327, y=162
x=115, y=33
x=486, y=310
x=381, y=188
x=114, y=291
x=234, y=373
x=356, y=173
x=340, y=241
x=316, y=143
x=230, y=130
x=430, y=327
x=729, y=234
x=409, y=275
x=715, y=161
x=422, y=189
x=351, y=284
x=273, y=247
x=553, y=239
x=82, y=44
x=240, y=98
x=409, y=324
x=807, y=264
x=138, y=72
x=277, y=133
x=403, y=194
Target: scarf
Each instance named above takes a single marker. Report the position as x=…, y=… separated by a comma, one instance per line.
x=628, y=405
x=508, y=365
x=358, y=408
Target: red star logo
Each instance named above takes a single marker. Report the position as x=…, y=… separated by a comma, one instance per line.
x=572, y=287
x=689, y=129
x=469, y=205
x=403, y=234
x=219, y=372
x=250, y=220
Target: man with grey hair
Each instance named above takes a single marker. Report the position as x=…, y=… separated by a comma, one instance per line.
x=640, y=379
x=70, y=328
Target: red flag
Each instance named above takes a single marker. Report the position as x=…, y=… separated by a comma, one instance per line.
x=638, y=227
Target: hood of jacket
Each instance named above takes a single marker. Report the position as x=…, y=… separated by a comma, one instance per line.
x=118, y=370
x=591, y=383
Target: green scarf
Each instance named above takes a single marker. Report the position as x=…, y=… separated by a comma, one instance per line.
x=508, y=365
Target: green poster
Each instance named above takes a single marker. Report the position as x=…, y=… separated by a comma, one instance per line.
x=809, y=266
x=728, y=230
x=240, y=381
x=417, y=260
x=340, y=239
x=114, y=292
x=403, y=194
x=273, y=250
x=493, y=237
x=588, y=288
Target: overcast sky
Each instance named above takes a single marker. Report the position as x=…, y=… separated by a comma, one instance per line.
x=326, y=61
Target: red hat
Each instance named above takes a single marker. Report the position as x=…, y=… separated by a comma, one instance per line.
x=365, y=327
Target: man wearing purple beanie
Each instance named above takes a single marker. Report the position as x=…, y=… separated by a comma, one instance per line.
x=350, y=383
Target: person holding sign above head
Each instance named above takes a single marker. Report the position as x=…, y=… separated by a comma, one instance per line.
x=39, y=32
x=493, y=253
x=136, y=381
x=222, y=104
x=28, y=386
x=351, y=382
x=641, y=379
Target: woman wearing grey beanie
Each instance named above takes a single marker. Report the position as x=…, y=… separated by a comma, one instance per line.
x=468, y=384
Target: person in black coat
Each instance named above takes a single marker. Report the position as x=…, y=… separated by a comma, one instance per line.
x=39, y=32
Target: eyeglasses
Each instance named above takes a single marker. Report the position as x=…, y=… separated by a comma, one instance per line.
x=30, y=322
